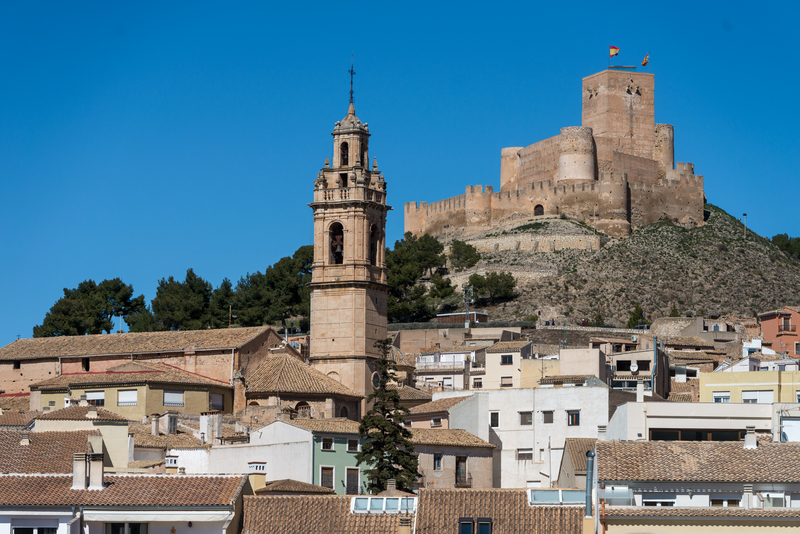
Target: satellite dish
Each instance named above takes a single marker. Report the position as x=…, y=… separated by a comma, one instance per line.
x=634, y=368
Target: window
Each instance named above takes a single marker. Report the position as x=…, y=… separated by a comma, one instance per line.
x=389, y=505
x=351, y=482
x=494, y=419
x=127, y=397
x=623, y=365
x=573, y=417
x=437, y=461
x=336, y=244
x=17, y=364
x=465, y=526
x=217, y=402
x=327, y=444
x=547, y=417
x=538, y=209
x=119, y=528
x=173, y=398
x=484, y=526
x=344, y=413
x=447, y=381
x=722, y=396
x=796, y=349
x=344, y=155
x=477, y=383
x=373, y=245
x=506, y=359
x=326, y=477
x=725, y=503
x=541, y=455
x=85, y=364
x=524, y=454
x=643, y=365
x=171, y=461
x=436, y=421
x=773, y=499
x=34, y=526
x=526, y=418
x=352, y=445
x=506, y=381
x=96, y=398
x=757, y=397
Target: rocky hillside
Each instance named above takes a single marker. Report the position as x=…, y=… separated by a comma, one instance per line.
x=715, y=269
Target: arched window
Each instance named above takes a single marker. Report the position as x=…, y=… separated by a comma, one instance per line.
x=344, y=412
x=373, y=245
x=303, y=408
x=538, y=209
x=364, y=163
x=334, y=375
x=344, y=155
x=336, y=244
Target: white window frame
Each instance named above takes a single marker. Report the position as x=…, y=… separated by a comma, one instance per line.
x=322, y=444
x=436, y=422
x=441, y=461
x=358, y=445
x=447, y=381
x=127, y=392
x=569, y=416
x=96, y=396
x=526, y=452
x=174, y=394
x=498, y=419
x=510, y=383
x=758, y=396
x=722, y=397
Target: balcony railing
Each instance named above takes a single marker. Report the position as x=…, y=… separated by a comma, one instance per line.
x=463, y=481
x=787, y=328
x=443, y=366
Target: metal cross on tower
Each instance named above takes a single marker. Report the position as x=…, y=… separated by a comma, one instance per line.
x=352, y=73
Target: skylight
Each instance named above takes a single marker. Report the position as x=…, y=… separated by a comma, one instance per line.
x=383, y=505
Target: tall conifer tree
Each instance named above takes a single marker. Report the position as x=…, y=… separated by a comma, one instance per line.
x=387, y=446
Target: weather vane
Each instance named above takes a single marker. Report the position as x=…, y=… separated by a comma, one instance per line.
x=352, y=73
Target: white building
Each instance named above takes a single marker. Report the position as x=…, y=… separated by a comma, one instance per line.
x=528, y=427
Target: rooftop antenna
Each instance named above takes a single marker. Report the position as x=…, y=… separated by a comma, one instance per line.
x=352, y=73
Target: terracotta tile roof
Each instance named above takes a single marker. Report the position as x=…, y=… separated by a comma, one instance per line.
x=15, y=401
x=282, y=373
x=670, y=326
x=623, y=340
x=336, y=425
x=143, y=438
x=685, y=461
x=439, y=511
x=679, y=397
x=690, y=355
x=687, y=342
x=287, y=485
x=439, y=405
x=130, y=373
x=122, y=490
x=292, y=514
x=781, y=311
x=684, y=387
x=697, y=511
x=17, y=419
x=409, y=393
x=452, y=437
x=578, y=447
x=564, y=379
x=129, y=343
x=47, y=452
x=145, y=464
x=474, y=344
x=508, y=346
x=78, y=413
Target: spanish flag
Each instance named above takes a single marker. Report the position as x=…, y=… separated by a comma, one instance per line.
x=646, y=60
x=614, y=50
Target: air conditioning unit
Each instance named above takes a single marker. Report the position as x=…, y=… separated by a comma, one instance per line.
x=634, y=338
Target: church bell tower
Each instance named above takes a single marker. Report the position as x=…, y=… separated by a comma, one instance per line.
x=348, y=286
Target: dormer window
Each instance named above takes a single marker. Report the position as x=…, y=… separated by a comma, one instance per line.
x=344, y=155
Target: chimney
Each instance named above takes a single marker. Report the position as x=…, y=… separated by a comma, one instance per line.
x=79, y=471
x=154, y=424
x=181, y=470
x=750, y=441
x=257, y=474
x=640, y=390
x=26, y=440
x=83, y=401
x=391, y=484
x=95, y=470
x=601, y=431
x=92, y=412
x=747, y=497
x=405, y=525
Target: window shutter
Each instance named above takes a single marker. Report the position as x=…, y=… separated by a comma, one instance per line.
x=173, y=398
x=127, y=397
x=95, y=395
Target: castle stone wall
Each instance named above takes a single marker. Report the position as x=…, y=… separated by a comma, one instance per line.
x=679, y=198
x=509, y=168
x=522, y=275
x=576, y=154
x=639, y=170
x=535, y=243
x=538, y=162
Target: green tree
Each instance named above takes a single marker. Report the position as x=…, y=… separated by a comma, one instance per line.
x=463, y=255
x=442, y=287
x=406, y=264
x=790, y=245
x=387, y=448
x=89, y=309
x=183, y=305
x=496, y=286
x=674, y=312
x=637, y=317
x=144, y=321
x=220, y=305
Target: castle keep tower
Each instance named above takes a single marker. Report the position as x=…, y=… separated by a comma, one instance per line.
x=348, y=285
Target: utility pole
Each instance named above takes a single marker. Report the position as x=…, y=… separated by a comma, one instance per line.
x=230, y=314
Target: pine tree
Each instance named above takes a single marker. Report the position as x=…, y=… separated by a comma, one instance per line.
x=387, y=446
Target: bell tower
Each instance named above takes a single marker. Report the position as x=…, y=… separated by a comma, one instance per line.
x=348, y=285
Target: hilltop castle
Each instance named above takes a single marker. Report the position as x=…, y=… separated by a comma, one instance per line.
x=616, y=172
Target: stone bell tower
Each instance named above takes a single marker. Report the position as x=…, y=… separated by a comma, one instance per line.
x=348, y=285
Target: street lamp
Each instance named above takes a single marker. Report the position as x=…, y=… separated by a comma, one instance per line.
x=745, y=225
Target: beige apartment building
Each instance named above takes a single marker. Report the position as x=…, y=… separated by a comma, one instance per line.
x=750, y=387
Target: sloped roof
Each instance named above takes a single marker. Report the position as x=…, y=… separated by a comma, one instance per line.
x=287, y=485
x=439, y=511
x=17, y=418
x=143, y=438
x=146, y=464
x=336, y=425
x=578, y=447
x=282, y=373
x=301, y=514
x=694, y=461
x=684, y=387
x=690, y=355
x=130, y=373
x=122, y=490
x=564, y=379
x=439, y=405
x=701, y=511
x=409, y=393
x=452, y=437
x=508, y=346
x=687, y=342
x=79, y=413
x=47, y=452
x=15, y=401
x=679, y=397
x=129, y=343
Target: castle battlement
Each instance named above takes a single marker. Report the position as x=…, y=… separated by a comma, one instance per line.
x=615, y=172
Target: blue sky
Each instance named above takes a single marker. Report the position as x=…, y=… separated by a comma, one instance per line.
x=138, y=140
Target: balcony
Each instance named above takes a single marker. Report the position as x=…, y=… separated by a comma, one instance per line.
x=786, y=329
x=463, y=481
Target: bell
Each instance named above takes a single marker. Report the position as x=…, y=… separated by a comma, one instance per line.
x=338, y=249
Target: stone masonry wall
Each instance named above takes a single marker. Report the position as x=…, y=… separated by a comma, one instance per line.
x=536, y=243
x=29, y=372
